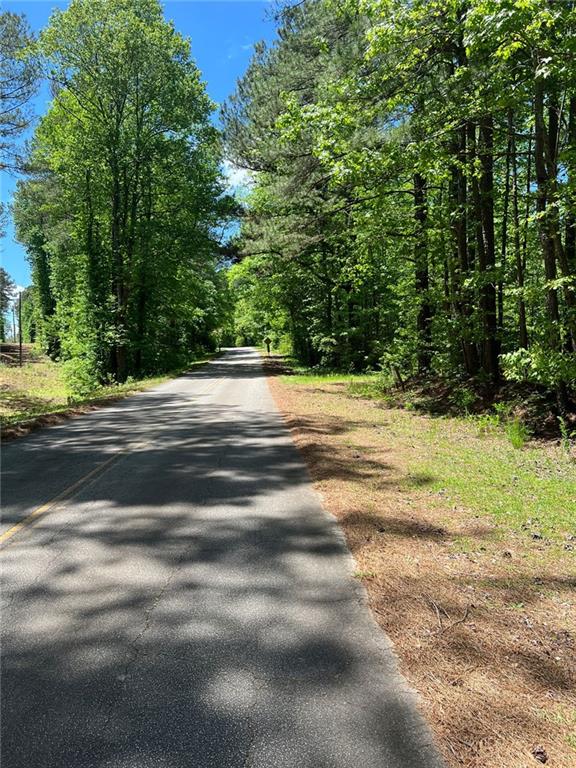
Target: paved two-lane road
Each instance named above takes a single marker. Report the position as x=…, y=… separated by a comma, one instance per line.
x=191, y=604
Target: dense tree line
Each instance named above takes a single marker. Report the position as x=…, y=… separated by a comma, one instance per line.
x=414, y=197
x=122, y=197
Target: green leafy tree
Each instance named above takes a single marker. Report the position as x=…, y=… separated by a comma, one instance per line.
x=120, y=214
x=414, y=184
x=7, y=293
x=19, y=74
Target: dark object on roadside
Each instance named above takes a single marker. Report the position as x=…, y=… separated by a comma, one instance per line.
x=540, y=754
x=267, y=341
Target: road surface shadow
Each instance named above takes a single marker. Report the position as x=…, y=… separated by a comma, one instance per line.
x=193, y=606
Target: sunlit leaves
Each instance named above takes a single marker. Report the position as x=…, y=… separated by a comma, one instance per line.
x=128, y=169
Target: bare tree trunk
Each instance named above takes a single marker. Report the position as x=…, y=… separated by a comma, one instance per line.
x=522, y=328
x=491, y=344
x=424, y=319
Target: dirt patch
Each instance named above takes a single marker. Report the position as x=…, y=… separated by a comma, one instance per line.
x=482, y=617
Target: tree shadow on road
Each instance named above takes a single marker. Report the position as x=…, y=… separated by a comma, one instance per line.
x=192, y=606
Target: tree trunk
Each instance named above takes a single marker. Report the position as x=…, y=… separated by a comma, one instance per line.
x=504, y=239
x=459, y=226
x=458, y=210
x=490, y=342
x=424, y=319
x=522, y=328
x=120, y=355
x=542, y=165
x=570, y=224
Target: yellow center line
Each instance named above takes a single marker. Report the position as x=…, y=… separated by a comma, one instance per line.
x=67, y=493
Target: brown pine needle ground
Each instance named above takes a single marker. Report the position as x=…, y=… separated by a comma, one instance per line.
x=476, y=591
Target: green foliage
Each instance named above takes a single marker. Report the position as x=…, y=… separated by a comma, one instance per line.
x=414, y=197
x=541, y=366
x=28, y=316
x=464, y=398
x=487, y=423
x=7, y=296
x=568, y=436
x=7, y=291
x=119, y=214
x=502, y=421
x=257, y=312
x=517, y=433
x=80, y=376
x=18, y=83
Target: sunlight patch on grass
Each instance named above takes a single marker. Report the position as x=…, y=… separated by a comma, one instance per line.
x=314, y=379
x=39, y=389
x=34, y=389
x=533, y=489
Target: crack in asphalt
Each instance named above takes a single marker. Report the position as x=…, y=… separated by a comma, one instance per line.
x=133, y=646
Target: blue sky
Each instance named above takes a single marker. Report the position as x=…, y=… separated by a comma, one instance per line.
x=222, y=33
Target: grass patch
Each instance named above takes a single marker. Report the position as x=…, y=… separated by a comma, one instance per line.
x=313, y=378
x=530, y=490
x=38, y=389
x=357, y=384
x=476, y=460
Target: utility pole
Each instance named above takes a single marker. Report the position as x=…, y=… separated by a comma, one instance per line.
x=20, y=326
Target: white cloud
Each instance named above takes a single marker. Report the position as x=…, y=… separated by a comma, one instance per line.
x=237, y=178
x=234, y=51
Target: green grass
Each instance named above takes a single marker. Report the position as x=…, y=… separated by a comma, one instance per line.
x=486, y=463
x=35, y=389
x=355, y=381
x=39, y=389
x=533, y=489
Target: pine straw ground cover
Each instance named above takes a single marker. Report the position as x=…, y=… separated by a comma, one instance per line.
x=466, y=546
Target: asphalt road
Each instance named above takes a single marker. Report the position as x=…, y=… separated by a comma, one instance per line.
x=191, y=604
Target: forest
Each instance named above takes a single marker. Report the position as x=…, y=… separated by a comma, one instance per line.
x=410, y=202
x=413, y=193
